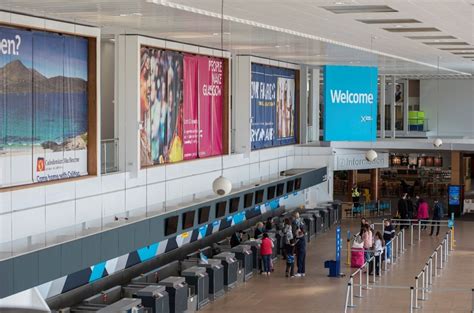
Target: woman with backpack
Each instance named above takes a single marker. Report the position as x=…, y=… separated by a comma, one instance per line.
x=287, y=234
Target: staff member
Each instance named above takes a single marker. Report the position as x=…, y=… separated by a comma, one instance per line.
x=355, y=196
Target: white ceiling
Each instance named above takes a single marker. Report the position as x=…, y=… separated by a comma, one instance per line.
x=298, y=31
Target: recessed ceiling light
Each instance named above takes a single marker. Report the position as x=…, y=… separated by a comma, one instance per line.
x=359, y=9
x=399, y=26
x=394, y=21
x=412, y=29
x=277, y=46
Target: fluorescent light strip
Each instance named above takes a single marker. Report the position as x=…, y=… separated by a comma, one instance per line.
x=186, y=8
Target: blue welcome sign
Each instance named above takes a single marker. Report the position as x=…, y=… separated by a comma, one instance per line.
x=350, y=103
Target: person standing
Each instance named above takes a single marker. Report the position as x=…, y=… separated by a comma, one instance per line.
x=403, y=209
x=438, y=213
x=388, y=235
x=290, y=259
x=300, y=253
x=259, y=230
x=378, y=248
x=423, y=213
x=266, y=250
x=410, y=208
x=368, y=239
x=355, y=196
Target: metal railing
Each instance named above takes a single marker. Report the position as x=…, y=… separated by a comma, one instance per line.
x=397, y=248
x=109, y=158
x=380, y=207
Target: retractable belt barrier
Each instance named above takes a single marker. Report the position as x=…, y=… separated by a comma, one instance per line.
x=398, y=248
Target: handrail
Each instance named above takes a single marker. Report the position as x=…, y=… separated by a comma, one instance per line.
x=399, y=242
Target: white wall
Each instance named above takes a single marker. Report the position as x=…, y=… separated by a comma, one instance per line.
x=455, y=100
x=95, y=201
x=107, y=55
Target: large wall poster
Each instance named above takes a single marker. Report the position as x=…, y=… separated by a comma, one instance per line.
x=43, y=106
x=181, y=99
x=274, y=109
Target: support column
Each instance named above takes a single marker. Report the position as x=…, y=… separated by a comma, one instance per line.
x=456, y=168
x=393, y=109
x=382, y=106
x=314, y=100
x=303, y=118
x=406, y=106
x=374, y=180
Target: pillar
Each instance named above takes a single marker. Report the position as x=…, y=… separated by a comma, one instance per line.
x=456, y=168
x=374, y=180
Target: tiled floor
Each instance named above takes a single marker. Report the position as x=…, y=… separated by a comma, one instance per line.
x=318, y=293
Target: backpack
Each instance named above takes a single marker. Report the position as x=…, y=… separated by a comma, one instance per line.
x=290, y=259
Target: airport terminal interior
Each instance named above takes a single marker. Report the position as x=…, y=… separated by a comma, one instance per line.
x=237, y=156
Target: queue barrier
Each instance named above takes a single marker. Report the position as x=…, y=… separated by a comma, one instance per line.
x=430, y=271
x=398, y=248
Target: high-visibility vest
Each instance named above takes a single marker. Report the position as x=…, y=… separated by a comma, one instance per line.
x=355, y=192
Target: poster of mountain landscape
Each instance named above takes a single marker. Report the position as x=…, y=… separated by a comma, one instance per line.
x=43, y=106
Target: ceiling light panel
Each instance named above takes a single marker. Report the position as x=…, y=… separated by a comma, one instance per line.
x=390, y=21
x=457, y=49
x=412, y=29
x=431, y=37
x=348, y=9
x=447, y=43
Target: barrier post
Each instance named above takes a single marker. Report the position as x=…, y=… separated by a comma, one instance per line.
x=373, y=267
x=395, y=249
x=416, y=293
x=441, y=256
x=419, y=230
x=348, y=261
x=411, y=299
x=391, y=252
x=447, y=249
x=453, y=245
x=403, y=241
x=351, y=289
x=347, y=297
x=367, y=275
x=436, y=264
x=423, y=283
x=472, y=308
x=360, y=285
x=411, y=234
x=386, y=258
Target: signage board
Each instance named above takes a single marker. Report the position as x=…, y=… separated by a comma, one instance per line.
x=350, y=103
x=357, y=161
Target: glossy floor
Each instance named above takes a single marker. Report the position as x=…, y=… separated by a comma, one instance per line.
x=318, y=293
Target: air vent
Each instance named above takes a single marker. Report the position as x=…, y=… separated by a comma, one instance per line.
x=457, y=49
x=463, y=53
x=390, y=21
x=431, y=37
x=447, y=43
x=412, y=29
x=347, y=9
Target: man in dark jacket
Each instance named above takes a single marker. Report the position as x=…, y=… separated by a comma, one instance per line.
x=403, y=209
x=438, y=213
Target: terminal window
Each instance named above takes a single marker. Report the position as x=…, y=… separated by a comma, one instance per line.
x=220, y=209
x=234, y=205
x=204, y=214
x=271, y=192
x=280, y=188
x=188, y=220
x=248, y=200
x=298, y=184
x=259, y=196
x=171, y=225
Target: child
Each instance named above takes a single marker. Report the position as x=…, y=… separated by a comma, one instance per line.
x=300, y=253
x=378, y=248
x=290, y=259
x=266, y=252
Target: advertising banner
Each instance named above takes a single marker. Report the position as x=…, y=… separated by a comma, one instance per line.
x=350, y=103
x=190, y=109
x=273, y=106
x=181, y=101
x=43, y=106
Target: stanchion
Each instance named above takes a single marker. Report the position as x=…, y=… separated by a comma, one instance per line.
x=436, y=264
x=411, y=299
x=419, y=230
x=447, y=250
x=411, y=234
x=395, y=249
x=351, y=290
x=373, y=266
x=386, y=257
x=441, y=256
x=472, y=308
x=348, y=261
x=360, y=285
x=453, y=242
x=416, y=293
x=347, y=297
x=403, y=241
x=366, y=265
x=391, y=253
x=423, y=282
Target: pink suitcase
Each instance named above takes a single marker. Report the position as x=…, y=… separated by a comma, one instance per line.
x=357, y=258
